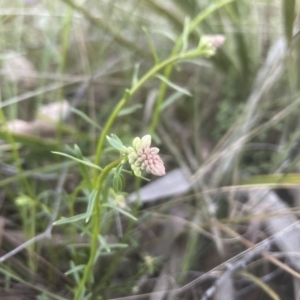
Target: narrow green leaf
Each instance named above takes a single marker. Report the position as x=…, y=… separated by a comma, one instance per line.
x=85, y=117
x=122, y=179
x=170, y=100
x=174, y=86
x=83, y=167
x=104, y=243
x=114, y=136
x=78, y=152
x=91, y=204
x=135, y=76
x=117, y=144
x=168, y=34
x=117, y=183
x=122, y=211
x=117, y=245
x=118, y=169
x=151, y=45
x=129, y=110
x=75, y=269
x=85, y=162
x=73, y=219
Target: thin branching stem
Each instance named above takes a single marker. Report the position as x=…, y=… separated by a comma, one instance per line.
x=177, y=48
x=133, y=90
x=96, y=227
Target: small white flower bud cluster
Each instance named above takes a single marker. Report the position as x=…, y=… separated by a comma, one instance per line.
x=142, y=157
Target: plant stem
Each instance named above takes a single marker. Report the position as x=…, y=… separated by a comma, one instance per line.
x=168, y=71
x=96, y=226
x=135, y=88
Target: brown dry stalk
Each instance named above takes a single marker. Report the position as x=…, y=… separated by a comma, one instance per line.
x=265, y=254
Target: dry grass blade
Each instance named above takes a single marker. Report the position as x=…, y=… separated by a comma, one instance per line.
x=267, y=201
x=261, y=284
x=242, y=140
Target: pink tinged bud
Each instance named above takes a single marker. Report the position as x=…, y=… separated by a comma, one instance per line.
x=216, y=40
x=154, y=150
x=155, y=166
x=142, y=157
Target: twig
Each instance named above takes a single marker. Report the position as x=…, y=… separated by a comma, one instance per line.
x=47, y=233
x=233, y=265
x=260, y=249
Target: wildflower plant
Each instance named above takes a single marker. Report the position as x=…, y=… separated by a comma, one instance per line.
x=141, y=157
x=104, y=185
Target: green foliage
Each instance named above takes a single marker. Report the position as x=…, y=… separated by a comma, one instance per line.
x=227, y=112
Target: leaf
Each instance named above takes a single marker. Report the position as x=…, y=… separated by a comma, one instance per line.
x=170, y=100
x=91, y=204
x=118, y=179
x=173, y=85
x=75, y=269
x=114, y=136
x=129, y=110
x=85, y=162
x=104, y=243
x=115, y=142
x=73, y=219
x=135, y=77
x=78, y=152
x=85, y=117
x=122, y=211
x=151, y=45
x=118, y=183
x=83, y=167
x=117, y=245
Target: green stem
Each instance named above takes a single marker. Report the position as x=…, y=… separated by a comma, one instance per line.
x=96, y=226
x=134, y=89
x=163, y=87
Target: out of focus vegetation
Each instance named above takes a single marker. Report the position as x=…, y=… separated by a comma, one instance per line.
x=228, y=125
